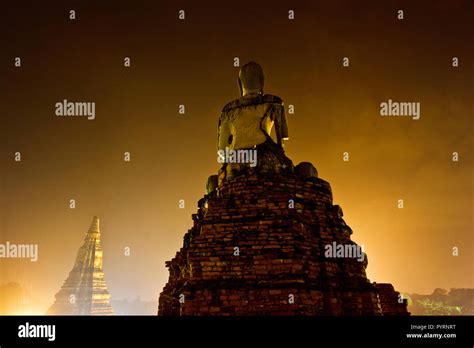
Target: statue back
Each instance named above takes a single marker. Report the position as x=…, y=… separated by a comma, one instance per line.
x=247, y=122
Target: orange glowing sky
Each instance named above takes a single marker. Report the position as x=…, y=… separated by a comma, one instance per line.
x=190, y=63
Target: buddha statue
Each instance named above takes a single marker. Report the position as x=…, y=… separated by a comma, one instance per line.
x=246, y=124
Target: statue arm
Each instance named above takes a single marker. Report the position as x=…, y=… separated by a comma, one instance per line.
x=222, y=132
x=281, y=126
x=284, y=124
x=219, y=132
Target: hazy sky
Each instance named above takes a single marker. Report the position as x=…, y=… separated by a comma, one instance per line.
x=190, y=62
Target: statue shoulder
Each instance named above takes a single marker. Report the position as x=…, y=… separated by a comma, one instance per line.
x=269, y=98
x=231, y=105
x=260, y=99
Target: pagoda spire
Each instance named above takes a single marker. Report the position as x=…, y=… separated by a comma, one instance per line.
x=85, y=291
x=94, y=229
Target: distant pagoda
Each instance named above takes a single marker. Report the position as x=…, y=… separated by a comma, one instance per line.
x=85, y=292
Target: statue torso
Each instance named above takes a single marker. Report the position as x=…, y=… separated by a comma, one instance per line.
x=247, y=121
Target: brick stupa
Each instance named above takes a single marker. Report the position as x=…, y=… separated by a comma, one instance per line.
x=85, y=292
x=281, y=254
x=259, y=242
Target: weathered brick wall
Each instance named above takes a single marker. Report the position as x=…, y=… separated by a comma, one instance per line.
x=390, y=300
x=281, y=268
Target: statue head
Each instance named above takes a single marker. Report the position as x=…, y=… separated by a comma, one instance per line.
x=251, y=78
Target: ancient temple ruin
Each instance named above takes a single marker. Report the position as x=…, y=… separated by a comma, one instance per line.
x=268, y=239
x=85, y=292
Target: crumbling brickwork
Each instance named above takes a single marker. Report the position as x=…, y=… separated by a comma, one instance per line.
x=391, y=300
x=257, y=247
